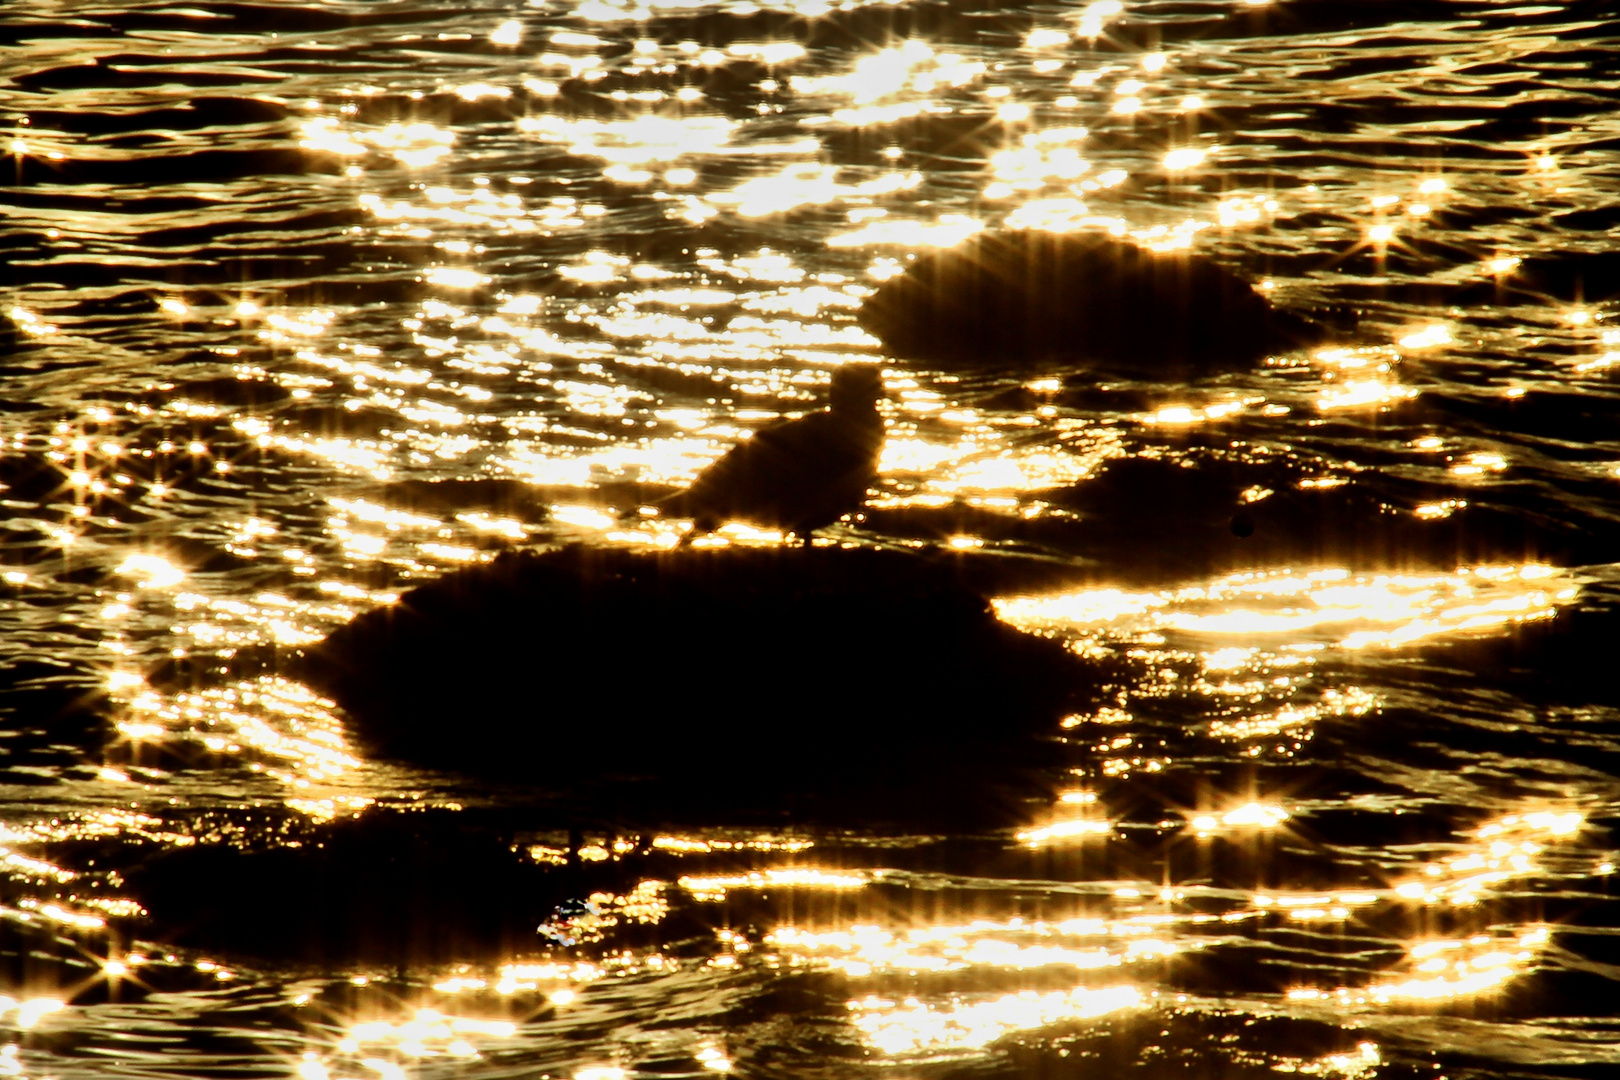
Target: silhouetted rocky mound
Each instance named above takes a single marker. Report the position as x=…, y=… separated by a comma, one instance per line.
x=830, y=681
x=1029, y=297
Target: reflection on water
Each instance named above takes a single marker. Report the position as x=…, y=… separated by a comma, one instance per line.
x=290, y=733
x=907, y=1028
x=1515, y=841
x=1401, y=608
x=1441, y=970
x=715, y=887
x=1013, y=945
x=361, y=297
x=27, y=1014
x=417, y=1037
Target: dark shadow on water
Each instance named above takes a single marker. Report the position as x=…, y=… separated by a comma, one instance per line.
x=397, y=888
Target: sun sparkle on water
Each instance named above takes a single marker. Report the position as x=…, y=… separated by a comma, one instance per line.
x=1401, y=608
x=536, y=355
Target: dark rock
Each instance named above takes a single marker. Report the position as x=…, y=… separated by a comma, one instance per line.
x=854, y=684
x=1030, y=297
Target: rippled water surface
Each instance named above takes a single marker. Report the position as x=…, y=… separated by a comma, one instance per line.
x=309, y=303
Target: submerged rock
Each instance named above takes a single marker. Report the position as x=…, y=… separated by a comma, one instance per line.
x=697, y=684
x=1186, y=511
x=1033, y=297
x=1187, y=516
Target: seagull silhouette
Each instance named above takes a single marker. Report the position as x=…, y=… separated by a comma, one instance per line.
x=795, y=475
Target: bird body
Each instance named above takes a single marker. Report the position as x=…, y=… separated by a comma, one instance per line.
x=795, y=475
